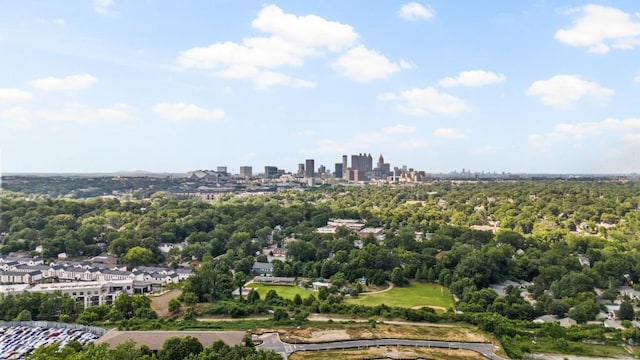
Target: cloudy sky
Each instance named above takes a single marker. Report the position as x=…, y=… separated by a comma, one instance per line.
x=516, y=86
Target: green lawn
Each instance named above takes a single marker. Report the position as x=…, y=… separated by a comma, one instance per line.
x=286, y=291
x=417, y=294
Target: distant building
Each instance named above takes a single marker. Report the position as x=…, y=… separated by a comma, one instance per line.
x=300, y=170
x=246, y=172
x=345, y=172
x=375, y=232
x=322, y=170
x=222, y=169
x=338, y=170
x=308, y=168
x=271, y=172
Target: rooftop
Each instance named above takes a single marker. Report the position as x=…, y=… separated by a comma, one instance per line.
x=155, y=339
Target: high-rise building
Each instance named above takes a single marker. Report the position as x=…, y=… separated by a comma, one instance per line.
x=246, y=172
x=308, y=168
x=322, y=170
x=382, y=169
x=300, y=170
x=362, y=162
x=345, y=169
x=337, y=172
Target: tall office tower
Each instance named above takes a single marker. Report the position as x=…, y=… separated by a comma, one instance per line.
x=322, y=170
x=345, y=172
x=246, y=172
x=362, y=162
x=338, y=170
x=308, y=168
x=300, y=170
x=380, y=162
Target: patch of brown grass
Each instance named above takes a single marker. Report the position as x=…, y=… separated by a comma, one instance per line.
x=160, y=303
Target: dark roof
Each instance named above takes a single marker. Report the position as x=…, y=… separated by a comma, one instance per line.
x=261, y=265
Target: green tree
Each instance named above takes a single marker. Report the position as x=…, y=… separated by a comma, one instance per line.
x=174, y=306
x=24, y=315
x=137, y=256
x=626, y=311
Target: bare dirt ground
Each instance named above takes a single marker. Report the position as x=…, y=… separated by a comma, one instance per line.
x=389, y=353
x=330, y=335
x=359, y=331
x=160, y=303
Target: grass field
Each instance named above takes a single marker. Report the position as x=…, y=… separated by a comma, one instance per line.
x=286, y=291
x=413, y=296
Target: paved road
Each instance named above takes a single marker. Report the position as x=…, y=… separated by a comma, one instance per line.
x=272, y=341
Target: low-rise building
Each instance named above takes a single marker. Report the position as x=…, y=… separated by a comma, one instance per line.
x=90, y=293
x=264, y=269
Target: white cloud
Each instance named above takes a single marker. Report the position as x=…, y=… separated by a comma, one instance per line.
x=17, y=118
x=579, y=131
x=426, y=102
x=414, y=11
x=310, y=31
x=59, y=21
x=600, y=28
x=362, y=64
x=83, y=114
x=291, y=39
x=269, y=78
x=183, y=112
x=451, y=133
x=104, y=7
x=636, y=79
x=472, y=78
x=399, y=129
x=13, y=94
x=67, y=83
x=562, y=91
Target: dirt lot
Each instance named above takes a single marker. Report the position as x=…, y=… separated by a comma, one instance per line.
x=160, y=303
x=389, y=353
x=335, y=332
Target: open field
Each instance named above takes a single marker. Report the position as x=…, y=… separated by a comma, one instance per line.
x=391, y=352
x=286, y=291
x=413, y=296
x=160, y=303
x=313, y=333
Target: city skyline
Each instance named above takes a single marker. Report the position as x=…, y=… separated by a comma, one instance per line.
x=519, y=87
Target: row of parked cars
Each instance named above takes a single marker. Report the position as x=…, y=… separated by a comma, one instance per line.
x=18, y=342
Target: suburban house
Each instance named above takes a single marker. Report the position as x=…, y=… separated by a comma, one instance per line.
x=264, y=269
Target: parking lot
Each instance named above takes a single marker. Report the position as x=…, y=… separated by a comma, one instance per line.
x=18, y=342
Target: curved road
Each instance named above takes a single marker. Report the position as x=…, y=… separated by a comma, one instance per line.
x=271, y=341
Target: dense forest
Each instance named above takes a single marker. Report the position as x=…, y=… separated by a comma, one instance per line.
x=465, y=236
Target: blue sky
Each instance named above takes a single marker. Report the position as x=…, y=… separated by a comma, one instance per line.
x=515, y=86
